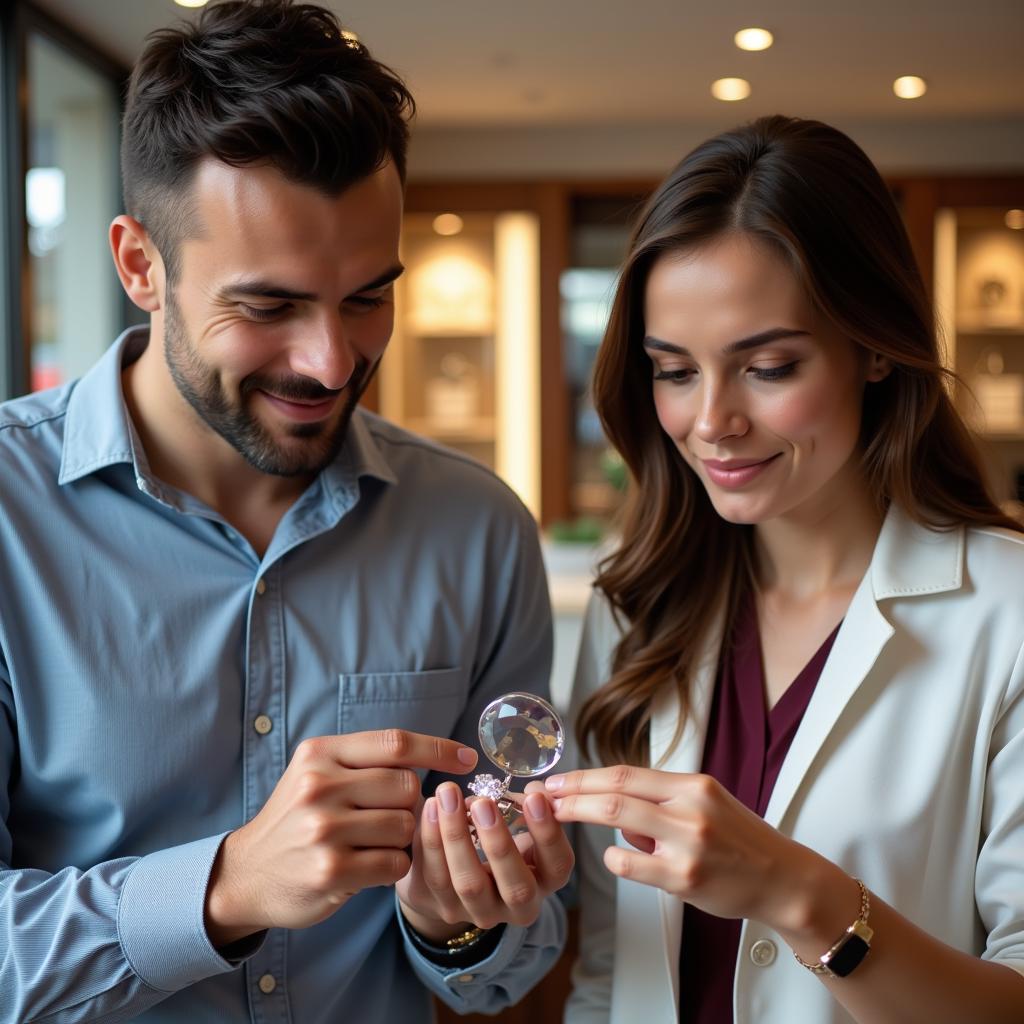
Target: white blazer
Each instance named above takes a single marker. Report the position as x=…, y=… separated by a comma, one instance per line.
x=907, y=771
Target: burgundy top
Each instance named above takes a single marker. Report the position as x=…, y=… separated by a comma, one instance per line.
x=744, y=750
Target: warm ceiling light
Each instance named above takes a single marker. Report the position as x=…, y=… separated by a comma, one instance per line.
x=190, y=3
x=909, y=87
x=447, y=223
x=1015, y=219
x=730, y=89
x=753, y=39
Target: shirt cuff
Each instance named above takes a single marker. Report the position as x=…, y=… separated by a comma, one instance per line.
x=490, y=965
x=160, y=917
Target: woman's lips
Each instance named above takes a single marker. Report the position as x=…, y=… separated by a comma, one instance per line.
x=305, y=412
x=735, y=473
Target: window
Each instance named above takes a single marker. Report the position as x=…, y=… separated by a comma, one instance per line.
x=71, y=195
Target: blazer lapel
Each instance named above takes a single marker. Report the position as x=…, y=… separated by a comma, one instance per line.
x=908, y=561
x=860, y=640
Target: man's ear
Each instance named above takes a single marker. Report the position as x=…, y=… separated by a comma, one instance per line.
x=138, y=263
x=879, y=367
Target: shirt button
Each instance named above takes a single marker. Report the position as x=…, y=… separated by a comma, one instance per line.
x=465, y=979
x=763, y=952
x=267, y=984
x=261, y=586
x=263, y=724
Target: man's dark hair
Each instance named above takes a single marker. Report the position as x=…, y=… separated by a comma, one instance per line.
x=252, y=82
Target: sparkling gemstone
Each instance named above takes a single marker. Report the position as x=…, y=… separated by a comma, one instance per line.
x=487, y=785
x=522, y=734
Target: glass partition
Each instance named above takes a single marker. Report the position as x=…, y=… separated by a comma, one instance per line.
x=600, y=227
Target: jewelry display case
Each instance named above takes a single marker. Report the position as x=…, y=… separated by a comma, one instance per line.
x=979, y=296
x=462, y=367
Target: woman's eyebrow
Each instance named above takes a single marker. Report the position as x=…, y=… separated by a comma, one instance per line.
x=761, y=338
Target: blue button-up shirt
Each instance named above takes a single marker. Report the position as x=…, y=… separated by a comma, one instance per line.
x=156, y=676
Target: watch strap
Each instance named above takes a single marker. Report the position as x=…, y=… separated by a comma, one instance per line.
x=847, y=952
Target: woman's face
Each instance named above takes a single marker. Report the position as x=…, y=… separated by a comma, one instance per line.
x=759, y=392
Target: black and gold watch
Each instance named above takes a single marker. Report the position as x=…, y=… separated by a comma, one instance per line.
x=846, y=953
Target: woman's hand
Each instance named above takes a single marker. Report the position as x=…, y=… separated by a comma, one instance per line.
x=693, y=839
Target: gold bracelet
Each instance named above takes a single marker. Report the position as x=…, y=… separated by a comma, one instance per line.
x=850, y=948
x=464, y=940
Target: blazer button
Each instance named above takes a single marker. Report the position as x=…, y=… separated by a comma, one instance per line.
x=763, y=952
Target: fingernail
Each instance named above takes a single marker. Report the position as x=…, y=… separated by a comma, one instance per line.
x=467, y=756
x=554, y=782
x=556, y=805
x=448, y=794
x=483, y=813
x=431, y=809
x=536, y=806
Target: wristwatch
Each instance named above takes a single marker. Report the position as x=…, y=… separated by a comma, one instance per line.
x=846, y=953
x=471, y=947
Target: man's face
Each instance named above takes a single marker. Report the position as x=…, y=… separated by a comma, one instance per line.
x=282, y=309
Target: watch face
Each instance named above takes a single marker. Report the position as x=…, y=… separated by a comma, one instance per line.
x=848, y=955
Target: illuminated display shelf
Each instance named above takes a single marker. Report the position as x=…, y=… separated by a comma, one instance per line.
x=979, y=297
x=463, y=365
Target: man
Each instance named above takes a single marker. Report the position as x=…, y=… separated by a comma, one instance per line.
x=238, y=614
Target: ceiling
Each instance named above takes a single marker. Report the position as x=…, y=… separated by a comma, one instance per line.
x=554, y=62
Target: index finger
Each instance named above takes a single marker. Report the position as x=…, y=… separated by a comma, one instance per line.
x=644, y=783
x=398, y=748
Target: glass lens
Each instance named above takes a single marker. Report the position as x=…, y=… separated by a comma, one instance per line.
x=522, y=734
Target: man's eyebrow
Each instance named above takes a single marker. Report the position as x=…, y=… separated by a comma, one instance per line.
x=266, y=289
x=761, y=338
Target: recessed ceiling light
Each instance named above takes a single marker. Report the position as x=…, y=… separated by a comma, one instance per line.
x=448, y=223
x=190, y=3
x=1015, y=219
x=753, y=39
x=909, y=87
x=730, y=89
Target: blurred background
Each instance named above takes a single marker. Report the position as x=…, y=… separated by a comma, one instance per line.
x=541, y=128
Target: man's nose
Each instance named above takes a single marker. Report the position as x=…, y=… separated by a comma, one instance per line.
x=325, y=354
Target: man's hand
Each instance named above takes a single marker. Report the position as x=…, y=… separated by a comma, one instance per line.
x=339, y=820
x=448, y=887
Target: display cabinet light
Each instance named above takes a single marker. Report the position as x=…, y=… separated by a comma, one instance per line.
x=448, y=224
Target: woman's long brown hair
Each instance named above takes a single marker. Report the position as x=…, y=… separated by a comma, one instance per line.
x=812, y=195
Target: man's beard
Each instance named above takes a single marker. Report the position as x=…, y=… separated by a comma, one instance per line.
x=202, y=389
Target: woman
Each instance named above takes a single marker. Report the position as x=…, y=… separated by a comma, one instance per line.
x=806, y=655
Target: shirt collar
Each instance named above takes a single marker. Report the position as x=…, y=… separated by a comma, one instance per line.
x=360, y=457
x=911, y=559
x=99, y=431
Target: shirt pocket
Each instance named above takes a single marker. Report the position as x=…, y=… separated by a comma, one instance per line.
x=429, y=702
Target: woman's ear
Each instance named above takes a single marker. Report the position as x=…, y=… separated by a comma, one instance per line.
x=879, y=367
x=137, y=262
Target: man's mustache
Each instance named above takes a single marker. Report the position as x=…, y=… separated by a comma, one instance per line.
x=303, y=389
